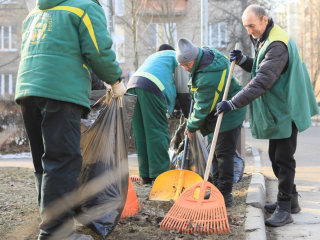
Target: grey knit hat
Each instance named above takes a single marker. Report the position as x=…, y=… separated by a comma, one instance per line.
x=186, y=51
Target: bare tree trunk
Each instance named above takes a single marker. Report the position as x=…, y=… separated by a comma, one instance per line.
x=134, y=35
x=246, y=46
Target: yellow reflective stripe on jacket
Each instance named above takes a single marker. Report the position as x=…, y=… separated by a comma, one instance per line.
x=151, y=77
x=86, y=68
x=220, y=87
x=79, y=12
x=278, y=34
x=222, y=80
x=88, y=24
x=74, y=10
x=216, y=96
x=193, y=89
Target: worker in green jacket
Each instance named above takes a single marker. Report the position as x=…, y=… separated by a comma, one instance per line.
x=281, y=103
x=209, y=70
x=158, y=82
x=62, y=40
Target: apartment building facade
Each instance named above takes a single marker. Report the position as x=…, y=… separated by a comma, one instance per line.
x=12, y=13
x=310, y=40
x=165, y=21
x=289, y=18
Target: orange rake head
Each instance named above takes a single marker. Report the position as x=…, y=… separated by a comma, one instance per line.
x=204, y=216
x=135, y=178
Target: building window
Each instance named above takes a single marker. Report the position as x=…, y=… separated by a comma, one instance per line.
x=7, y=84
x=152, y=36
x=8, y=1
x=107, y=7
x=118, y=41
x=119, y=7
x=4, y=3
x=8, y=38
x=161, y=33
x=218, y=35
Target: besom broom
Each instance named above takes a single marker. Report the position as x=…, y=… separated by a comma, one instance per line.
x=204, y=216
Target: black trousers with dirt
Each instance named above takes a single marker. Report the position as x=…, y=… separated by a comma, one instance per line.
x=223, y=165
x=281, y=153
x=53, y=128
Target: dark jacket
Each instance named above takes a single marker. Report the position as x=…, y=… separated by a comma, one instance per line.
x=272, y=66
x=96, y=83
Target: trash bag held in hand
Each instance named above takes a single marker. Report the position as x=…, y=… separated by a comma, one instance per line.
x=103, y=182
x=197, y=155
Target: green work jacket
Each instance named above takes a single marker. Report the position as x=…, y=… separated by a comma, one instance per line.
x=61, y=41
x=290, y=99
x=206, y=88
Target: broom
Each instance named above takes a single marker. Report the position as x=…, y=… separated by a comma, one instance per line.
x=190, y=215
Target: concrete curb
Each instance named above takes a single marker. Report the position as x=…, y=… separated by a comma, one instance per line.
x=256, y=198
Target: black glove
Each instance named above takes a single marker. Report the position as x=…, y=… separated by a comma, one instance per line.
x=235, y=55
x=225, y=106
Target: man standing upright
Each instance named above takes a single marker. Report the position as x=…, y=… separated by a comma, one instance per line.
x=61, y=41
x=281, y=100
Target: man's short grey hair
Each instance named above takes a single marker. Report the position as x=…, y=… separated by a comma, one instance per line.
x=256, y=10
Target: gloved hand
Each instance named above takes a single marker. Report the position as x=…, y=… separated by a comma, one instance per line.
x=225, y=106
x=118, y=89
x=190, y=134
x=235, y=55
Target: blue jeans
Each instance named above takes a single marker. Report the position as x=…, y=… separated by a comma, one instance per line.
x=53, y=128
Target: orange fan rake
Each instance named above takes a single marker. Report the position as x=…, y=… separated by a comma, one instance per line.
x=206, y=216
x=135, y=178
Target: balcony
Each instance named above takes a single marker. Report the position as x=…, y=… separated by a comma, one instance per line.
x=163, y=7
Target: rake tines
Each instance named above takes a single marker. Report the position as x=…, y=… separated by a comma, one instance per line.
x=135, y=178
x=204, y=216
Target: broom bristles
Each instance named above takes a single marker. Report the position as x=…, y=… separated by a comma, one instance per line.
x=186, y=220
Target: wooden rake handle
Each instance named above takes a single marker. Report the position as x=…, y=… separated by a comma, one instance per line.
x=217, y=129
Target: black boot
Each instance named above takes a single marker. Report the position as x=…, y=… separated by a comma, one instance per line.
x=229, y=200
x=281, y=215
x=295, y=207
x=147, y=180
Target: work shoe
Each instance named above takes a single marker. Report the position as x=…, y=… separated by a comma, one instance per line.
x=76, y=236
x=295, y=208
x=281, y=216
x=147, y=180
x=228, y=199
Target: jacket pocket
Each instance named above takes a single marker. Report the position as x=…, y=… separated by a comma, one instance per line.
x=266, y=116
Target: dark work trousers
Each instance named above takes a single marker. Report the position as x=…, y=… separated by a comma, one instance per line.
x=281, y=153
x=53, y=128
x=223, y=165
